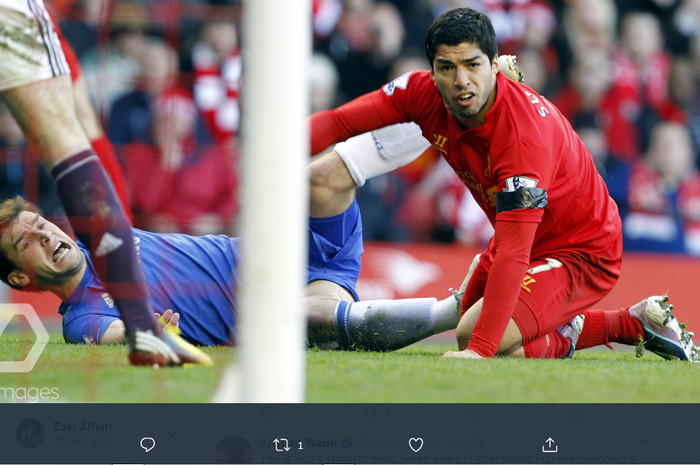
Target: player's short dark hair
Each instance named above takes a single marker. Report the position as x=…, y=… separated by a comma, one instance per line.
x=9, y=212
x=458, y=26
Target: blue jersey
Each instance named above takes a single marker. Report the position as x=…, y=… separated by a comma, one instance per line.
x=195, y=276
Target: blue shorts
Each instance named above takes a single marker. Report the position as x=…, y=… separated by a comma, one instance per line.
x=328, y=261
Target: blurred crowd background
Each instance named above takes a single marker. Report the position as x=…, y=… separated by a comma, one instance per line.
x=165, y=78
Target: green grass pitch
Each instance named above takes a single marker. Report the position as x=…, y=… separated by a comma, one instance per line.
x=415, y=374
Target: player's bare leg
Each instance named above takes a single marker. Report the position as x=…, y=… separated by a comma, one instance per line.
x=553, y=345
x=321, y=300
x=45, y=112
x=332, y=189
x=511, y=342
x=85, y=111
x=335, y=320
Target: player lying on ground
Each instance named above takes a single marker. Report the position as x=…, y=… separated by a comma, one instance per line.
x=35, y=84
x=557, y=246
x=196, y=277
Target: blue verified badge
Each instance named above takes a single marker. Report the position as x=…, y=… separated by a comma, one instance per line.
x=519, y=182
x=399, y=83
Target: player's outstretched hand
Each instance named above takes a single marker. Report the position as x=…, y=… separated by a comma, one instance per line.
x=169, y=318
x=466, y=353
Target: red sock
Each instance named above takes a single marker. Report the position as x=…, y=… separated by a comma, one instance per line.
x=104, y=150
x=622, y=327
x=603, y=327
x=552, y=345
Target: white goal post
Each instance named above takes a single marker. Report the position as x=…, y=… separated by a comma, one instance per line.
x=271, y=326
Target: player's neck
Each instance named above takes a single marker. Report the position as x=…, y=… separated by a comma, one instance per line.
x=63, y=291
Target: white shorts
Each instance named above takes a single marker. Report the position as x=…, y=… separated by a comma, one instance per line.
x=29, y=47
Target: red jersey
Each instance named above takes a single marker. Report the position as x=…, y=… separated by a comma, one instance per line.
x=525, y=142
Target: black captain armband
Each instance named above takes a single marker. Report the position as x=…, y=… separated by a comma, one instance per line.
x=526, y=197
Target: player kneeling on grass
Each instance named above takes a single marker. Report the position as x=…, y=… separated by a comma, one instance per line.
x=195, y=277
x=557, y=247
x=365, y=323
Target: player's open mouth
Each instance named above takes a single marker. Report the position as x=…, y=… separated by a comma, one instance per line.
x=466, y=99
x=60, y=251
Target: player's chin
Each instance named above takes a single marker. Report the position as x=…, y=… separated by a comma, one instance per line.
x=59, y=275
x=466, y=113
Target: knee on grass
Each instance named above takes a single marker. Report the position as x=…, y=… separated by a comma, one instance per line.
x=464, y=334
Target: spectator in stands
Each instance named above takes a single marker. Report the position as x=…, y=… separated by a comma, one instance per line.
x=324, y=83
x=642, y=69
x=590, y=24
x=615, y=172
x=175, y=184
x=585, y=24
x=535, y=46
x=217, y=78
x=587, y=87
x=111, y=73
x=326, y=14
x=533, y=67
x=684, y=26
x=130, y=117
x=421, y=13
x=685, y=94
x=508, y=18
x=367, y=40
x=664, y=195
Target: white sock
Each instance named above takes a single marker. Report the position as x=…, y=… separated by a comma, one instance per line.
x=445, y=314
x=382, y=325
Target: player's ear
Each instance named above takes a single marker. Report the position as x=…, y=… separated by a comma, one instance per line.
x=18, y=279
x=432, y=74
x=495, y=66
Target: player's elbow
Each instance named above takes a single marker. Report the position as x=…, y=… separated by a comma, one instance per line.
x=115, y=333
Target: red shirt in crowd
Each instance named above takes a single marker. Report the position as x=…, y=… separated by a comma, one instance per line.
x=204, y=184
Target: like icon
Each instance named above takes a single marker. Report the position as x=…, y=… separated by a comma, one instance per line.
x=415, y=444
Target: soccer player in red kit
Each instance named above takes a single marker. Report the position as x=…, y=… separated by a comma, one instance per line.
x=557, y=246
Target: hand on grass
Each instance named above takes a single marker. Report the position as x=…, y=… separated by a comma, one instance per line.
x=169, y=318
x=466, y=353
